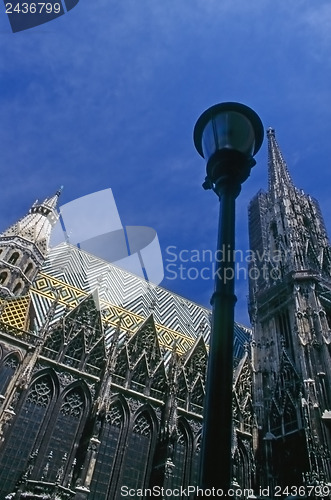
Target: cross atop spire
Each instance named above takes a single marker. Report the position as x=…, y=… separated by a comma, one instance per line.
x=279, y=176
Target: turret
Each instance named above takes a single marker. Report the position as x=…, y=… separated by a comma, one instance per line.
x=24, y=247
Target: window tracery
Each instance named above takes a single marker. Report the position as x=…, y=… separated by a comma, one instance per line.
x=66, y=425
x=142, y=426
x=7, y=370
x=40, y=393
x=138, y=453
x=106, y=458
x=23, y=433
x=115, y=415
x=72, y=404
x=178, y=477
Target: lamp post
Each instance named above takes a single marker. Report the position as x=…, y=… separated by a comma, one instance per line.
x=227, y=135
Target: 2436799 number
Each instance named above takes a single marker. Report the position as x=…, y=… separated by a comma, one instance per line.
x=303, y=491
x=33, y=8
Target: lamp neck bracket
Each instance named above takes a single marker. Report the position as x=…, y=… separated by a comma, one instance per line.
x=227, y=169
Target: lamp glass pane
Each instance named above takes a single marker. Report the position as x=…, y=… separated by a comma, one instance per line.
x=209, y=140
x=228, y=130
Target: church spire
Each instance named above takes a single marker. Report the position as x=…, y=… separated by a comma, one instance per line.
x=52, y=201
x=24, y=246
x=280, y=180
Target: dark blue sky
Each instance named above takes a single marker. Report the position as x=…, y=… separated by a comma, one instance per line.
x=107, y=95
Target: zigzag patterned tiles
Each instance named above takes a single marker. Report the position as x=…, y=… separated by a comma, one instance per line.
x=74, y=273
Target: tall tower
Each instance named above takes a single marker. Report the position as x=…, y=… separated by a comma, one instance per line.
x=290, y=310
x=24, y=247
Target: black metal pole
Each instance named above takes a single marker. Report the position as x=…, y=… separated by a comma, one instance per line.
x=216, y=466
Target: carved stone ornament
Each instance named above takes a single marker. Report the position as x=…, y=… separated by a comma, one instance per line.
x=195, y=426
x=157, y=411
x=65, y=378
x=92, y=389
x=133, y=404
x=37, y=367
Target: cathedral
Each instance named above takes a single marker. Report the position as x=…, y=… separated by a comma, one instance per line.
x=102, y=374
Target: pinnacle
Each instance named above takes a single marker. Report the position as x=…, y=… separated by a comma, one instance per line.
x=279, y=176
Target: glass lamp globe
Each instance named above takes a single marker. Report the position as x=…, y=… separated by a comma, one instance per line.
x=228, y=126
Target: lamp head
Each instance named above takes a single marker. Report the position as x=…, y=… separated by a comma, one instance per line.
x=228, y=135
x=229, y=125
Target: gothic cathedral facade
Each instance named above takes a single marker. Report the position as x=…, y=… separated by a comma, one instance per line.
x=101, y=389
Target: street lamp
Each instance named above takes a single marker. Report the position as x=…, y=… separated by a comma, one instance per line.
x=227, y=135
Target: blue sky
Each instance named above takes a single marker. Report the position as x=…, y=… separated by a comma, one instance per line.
x=107, y=95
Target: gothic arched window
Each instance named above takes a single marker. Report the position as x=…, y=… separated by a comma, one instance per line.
x=13, y=258
x=3, y=277
x=138, y=452
x=67, y=422
x=28, y=269
x=110, y=438
x=17, y=288
x=23, y=432
x=180, y=459
x=7, y=370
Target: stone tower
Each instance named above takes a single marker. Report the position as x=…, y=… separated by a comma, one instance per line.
x=24, y=247
x=290, y=310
